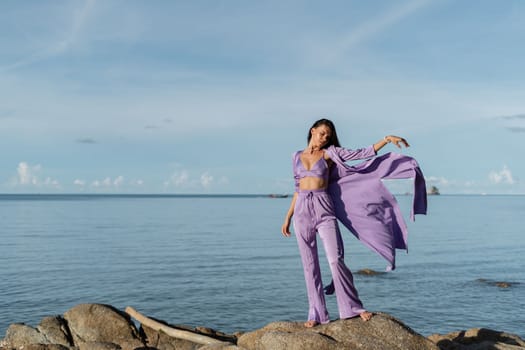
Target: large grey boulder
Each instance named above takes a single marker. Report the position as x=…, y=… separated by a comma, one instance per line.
x=100, y=323
x=19, y=335
x=55, y=330
x=381, y=332
x=51, y=330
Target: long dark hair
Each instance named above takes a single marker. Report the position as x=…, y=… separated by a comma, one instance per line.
x=333, y=138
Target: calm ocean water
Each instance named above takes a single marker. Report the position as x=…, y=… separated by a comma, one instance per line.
x=221, y=262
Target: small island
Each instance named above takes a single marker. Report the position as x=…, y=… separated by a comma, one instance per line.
x=433, y=191
x=276, y=195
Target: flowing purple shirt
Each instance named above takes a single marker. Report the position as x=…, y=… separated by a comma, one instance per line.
x=365, y=206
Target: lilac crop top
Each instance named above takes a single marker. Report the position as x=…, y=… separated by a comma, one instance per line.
x=319, y=169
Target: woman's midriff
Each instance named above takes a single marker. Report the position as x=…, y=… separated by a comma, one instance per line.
x=312, y=183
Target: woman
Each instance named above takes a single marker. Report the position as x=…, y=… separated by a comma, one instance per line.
x=313, y=212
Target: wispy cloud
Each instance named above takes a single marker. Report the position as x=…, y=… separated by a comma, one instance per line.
x=514, y=123
x=513, y=117
x=86, y=140
x=60, y=46
x=5, y=114
x=516, y=128
x=368, y=30
x=381, y=23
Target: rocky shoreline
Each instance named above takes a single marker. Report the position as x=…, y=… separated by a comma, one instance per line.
x=104, y=327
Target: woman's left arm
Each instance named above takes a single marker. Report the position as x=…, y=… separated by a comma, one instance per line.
x=396, y=140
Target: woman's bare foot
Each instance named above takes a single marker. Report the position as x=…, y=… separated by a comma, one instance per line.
x=365, y=315
x=310, y=324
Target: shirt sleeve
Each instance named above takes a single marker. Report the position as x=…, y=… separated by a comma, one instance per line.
x=360, y=153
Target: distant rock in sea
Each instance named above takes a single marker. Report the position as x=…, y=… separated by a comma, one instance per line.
x=370, y=272
x=103, y=327
x=500, y=284
x=433, y=191
x=277, y=195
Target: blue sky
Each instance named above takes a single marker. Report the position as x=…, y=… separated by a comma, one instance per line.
x=214, y=96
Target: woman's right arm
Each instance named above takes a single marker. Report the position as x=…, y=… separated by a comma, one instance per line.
x=285, y=229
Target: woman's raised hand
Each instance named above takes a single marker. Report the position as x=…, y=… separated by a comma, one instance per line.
x=396, y=140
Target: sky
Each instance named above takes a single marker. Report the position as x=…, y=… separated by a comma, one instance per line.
x=171, y=97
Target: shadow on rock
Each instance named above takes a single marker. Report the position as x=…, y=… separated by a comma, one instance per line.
x=478, y=339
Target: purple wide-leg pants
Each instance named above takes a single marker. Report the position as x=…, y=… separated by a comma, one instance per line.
x=314, y=213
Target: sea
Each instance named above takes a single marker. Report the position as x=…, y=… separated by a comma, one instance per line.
x=220, y=261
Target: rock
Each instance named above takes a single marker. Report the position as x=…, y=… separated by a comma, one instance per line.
x=369, y=272
x=44, y=347
x=210, y=332
x=478, y=339
x=220, y=347
x=433, y=191
x=55, y=330
x=102, y=323
x=162, y=341
x=97, y=345
x=52, y=330
x=19, y=334
x=381, y=332
x=159, y=340
x=500, y=284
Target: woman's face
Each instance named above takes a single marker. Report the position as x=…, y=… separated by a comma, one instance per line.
x=321, y=135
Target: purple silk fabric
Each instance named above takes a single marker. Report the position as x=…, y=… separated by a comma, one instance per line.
x=365, y=206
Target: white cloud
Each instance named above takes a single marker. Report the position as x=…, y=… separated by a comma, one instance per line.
x=108, y=182
x=79, y=182
x=206, y=180
x=504, y=176
x=178, y=179
x=25, y=176
x=118, y=181
x=51, y=182
x=437, y=180
x=29, y=176
x=183, y=179
x=138, y=182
